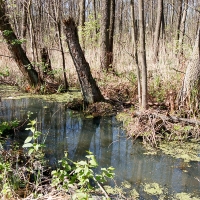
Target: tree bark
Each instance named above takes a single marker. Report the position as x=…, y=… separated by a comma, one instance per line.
x=143, y=55
x=15, y=48
x=190, y=92
x=111, y=30
x=82, y=21
x=46, y=63
x=57, y=15
x=104, y=45
x=179, y=2
x=182, y=28
x=90, y=90
x=24, y=23
x=157, y=30
x=135, y=50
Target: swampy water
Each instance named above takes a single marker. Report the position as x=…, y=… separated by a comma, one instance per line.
x=65, y=130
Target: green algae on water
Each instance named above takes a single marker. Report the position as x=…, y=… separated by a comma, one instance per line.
x=153, y=189
x=134, y=194
x=185, y=196
x=187, y=151
x=12, y=92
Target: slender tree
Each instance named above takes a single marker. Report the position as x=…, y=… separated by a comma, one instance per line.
x=104, y=42
x=57, y=19
x=182, y=27
x=82, y=21
x=144, y=105
x=111, y=29
x=157, y=30
x=135, y=49
x=179, y=12
x=24, y=22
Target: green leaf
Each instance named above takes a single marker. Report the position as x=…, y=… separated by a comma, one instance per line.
x=37, y=147
x=28, y=139
x=30, y=151
x=27, y=145
x=80, y=195
x=93, y=161
x=82, y=163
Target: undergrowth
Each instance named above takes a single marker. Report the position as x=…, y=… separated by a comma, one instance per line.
x=24, y=172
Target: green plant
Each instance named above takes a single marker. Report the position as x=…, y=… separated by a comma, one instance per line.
x=31, y=142
x=18, y=41
x=89, y=28
x=6, y=126
x=79, y=173
x=35, y=153
x=5, y=186
x=7, y=32
x=5, y=72
x=157, y=90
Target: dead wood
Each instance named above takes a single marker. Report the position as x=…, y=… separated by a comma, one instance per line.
x=169, y=118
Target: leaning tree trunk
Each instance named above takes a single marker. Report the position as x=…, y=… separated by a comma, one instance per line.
x=190, y=92
x=16, y=49
x=90, y=90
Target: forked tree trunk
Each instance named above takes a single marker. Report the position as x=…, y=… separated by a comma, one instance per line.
x=90, y=90
x=190, y=93
x=16, y=49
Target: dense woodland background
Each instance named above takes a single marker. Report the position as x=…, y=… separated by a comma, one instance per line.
x=123, y=41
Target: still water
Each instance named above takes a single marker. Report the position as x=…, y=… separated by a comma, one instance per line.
x=65, y=130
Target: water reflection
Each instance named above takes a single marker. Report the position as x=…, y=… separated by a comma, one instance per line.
x=64, y=130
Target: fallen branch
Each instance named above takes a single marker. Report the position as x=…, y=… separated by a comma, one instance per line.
x=102, y=189
x=169, y=118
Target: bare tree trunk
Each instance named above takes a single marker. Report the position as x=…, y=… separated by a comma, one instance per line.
x=178, y=22
x=135, y=50
x=90, y=90
x=57, y=19
x=104, y=45
x=24, y=23
x=62, y=54
x=157, y=30
x=111, y=34
x=35, y=57
x=182, y=28
x=190, y=92
x=15, y=48
x=172, y=15
x=95, y=13
x=143, y=54
x=121, y=7
x=112, y=27
x=82, y=21
x=46, y=63
x=152, y=18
